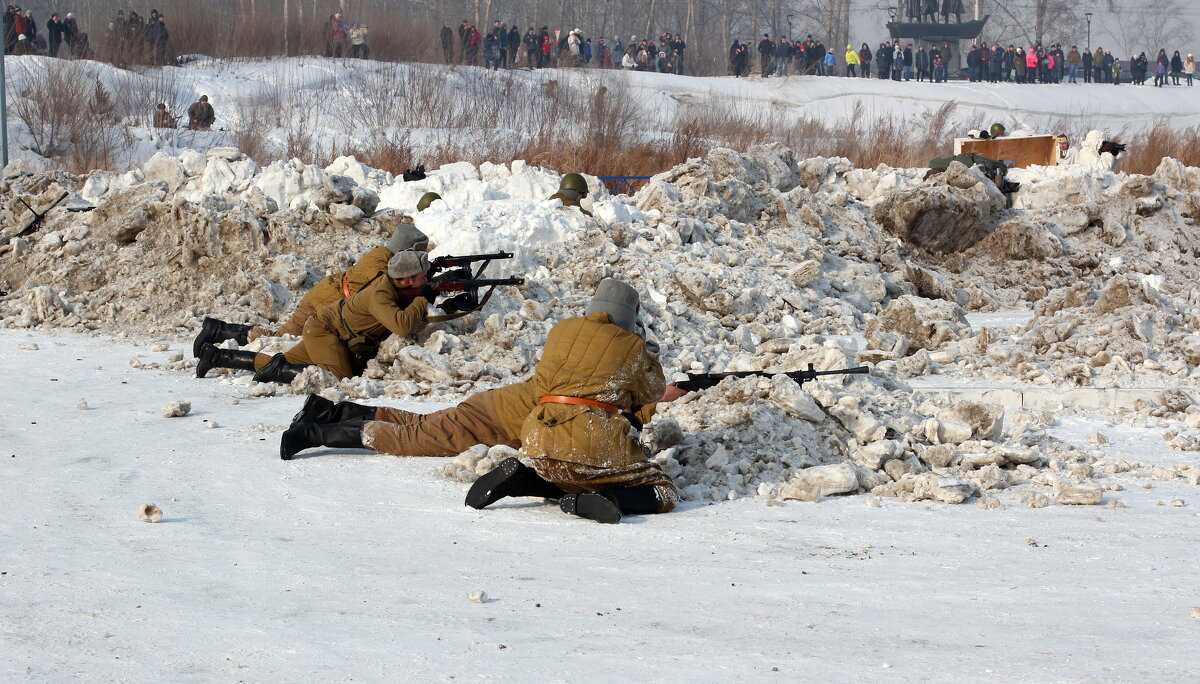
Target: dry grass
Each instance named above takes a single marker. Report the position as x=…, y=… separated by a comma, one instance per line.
x=594, y=125
x=1146, y=151
x=71, y=116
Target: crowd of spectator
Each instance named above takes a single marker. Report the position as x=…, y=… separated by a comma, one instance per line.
x=505, y=46
x=23, y=36
x=900, y=61
x=130, y=39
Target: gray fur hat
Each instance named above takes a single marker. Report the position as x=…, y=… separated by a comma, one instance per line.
x=406, y=236
x=407, y=264
x=618, y=300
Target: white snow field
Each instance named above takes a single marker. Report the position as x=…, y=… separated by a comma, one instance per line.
x=354, y=567
x=1009, y=496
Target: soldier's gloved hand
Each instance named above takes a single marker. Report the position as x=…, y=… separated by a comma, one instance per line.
x=428, y=292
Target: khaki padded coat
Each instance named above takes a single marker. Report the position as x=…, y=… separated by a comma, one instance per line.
x=592, y=358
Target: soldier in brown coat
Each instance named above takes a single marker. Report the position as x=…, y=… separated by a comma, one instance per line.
x=330, y=289
x=201, y=115
x=573, y=418
x=342, y=336
x=163, y=118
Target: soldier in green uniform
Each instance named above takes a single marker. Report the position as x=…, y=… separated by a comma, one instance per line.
x=571, y=189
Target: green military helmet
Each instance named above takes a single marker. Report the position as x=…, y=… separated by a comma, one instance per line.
x=574, y=181
x=996, y=130
x=426, y=200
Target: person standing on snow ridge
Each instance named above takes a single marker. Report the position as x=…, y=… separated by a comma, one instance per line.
x=514, y=45
x=337, y=36
x=358, y=41
x=765, y=48
x=54, y=31
x=447, y=38
x=851, y=61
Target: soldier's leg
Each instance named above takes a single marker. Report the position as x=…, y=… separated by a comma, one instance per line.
x=322, y=347
x=448, y=432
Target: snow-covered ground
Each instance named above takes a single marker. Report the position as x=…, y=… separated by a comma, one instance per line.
x=350, y=103
x=349, y=566
x=358, y=567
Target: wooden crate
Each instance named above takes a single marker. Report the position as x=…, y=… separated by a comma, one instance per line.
x=1022, y=152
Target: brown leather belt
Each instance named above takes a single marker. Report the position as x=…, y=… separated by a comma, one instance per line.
x=561, y=399
x=346, y=287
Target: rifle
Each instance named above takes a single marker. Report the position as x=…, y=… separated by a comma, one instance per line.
x=699, y=381
x=36, y=221
x=448, y=262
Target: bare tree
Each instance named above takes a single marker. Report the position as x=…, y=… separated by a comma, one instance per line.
x=1146, y=27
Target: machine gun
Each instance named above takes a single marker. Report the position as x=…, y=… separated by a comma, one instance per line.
x=699, y=381
x=443, y=263
x=1115, y=148
x=456, y=276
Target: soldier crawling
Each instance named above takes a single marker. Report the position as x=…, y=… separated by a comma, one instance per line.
x=597, y=376
x=344, y=335
x=332, y=288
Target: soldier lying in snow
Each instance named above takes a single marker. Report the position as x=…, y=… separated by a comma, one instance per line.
x=344, y=335
x=572, y=418
x=332, y=288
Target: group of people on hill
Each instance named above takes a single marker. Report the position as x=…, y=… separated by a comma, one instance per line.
x=344, y=39
x=23, y=36
x=782, y=57
x=131, y=39
x=993, y=64
x=1039, y=64
x=505, y=46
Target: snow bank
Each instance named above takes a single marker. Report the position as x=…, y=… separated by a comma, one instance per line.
x=747, y=261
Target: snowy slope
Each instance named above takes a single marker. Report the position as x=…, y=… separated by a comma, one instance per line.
x=347, y=566
x=332, y=101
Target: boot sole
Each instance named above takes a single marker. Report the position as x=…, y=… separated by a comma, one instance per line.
x=597, y=507
x=293, y=441
x=205, y=336
x=490, y=488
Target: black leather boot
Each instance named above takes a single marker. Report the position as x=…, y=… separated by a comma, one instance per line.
x=598, y=506
x=318, y=409
x=215, y=331
x=640, y=500
x=608, y=506
x=510, y=478
x=303, y=436
x=212, y=356
x=279, y=370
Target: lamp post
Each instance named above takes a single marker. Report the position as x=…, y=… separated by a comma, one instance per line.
x=1089, y=20
x=3, y=117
